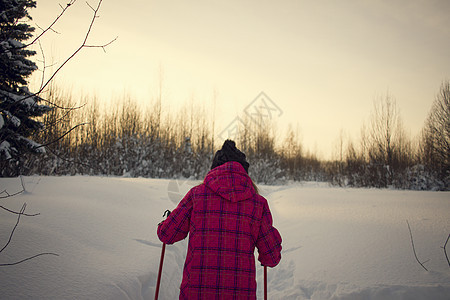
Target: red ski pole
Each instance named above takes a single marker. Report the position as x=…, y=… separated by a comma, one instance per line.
x=161, y=261
x=265, y=282
x=158, y=282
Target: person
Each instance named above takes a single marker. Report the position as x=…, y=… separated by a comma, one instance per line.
x=226, y=219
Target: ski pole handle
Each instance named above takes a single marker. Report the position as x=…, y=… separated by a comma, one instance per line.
x=265, y=282
x=158, y=282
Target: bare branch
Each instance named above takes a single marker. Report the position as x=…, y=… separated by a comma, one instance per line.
x=414, y=249
x=61, y=137
x=94, y=17
x=62, y=107
x=93, y=9
x=43, y=63
x=51, y=29
x=102, y=46
x=18, y=213
x=445, y=249
x=83, y=45
x=71, y=2
x=11, y=195
x=69, y=110
x=29, y=258
x=8, y=194
x=21, y=213
x=22, y=210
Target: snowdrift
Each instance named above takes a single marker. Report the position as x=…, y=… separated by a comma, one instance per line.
x=337, y=243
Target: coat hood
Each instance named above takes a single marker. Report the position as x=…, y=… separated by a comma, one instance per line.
x=231, y=182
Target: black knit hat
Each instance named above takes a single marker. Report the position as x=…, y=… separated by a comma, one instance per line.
x=229, y=152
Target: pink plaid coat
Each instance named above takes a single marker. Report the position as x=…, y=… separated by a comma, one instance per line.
x=225, y=220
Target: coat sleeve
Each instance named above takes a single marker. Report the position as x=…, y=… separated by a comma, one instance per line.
x=176, y=226
x=268, y=241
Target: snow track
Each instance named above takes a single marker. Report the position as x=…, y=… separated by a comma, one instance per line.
x=341, y=244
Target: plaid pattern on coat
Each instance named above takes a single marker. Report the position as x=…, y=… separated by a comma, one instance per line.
x=225, y=219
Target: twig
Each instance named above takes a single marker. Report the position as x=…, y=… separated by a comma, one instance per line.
x=17, y=213
x=43, y=63
x=21, y=213
x=58, y=106
x=414, y=249
x=102, y=46
x=69, y=110
x=28, y=258
x=61, y=137
x=11, y=195
x=51, y=29
x=8, y=195
x=71, y=2
x=22, y=210
x=23, y=185
x=445, y=250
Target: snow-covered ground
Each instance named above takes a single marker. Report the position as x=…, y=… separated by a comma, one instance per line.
x=337, y=243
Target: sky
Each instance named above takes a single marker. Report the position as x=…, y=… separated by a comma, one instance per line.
x=320, y=64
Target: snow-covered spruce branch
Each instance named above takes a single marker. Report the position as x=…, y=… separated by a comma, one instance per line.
x=445, y=250
x=414, y=249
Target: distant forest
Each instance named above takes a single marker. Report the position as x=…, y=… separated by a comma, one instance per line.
x=126, y=140
x=48, y=132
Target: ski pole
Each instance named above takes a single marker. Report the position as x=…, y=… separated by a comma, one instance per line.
x=265, y=282
x=158, y=282
x=161, y=261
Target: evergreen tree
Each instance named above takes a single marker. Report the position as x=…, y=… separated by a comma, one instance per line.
x=19, y=108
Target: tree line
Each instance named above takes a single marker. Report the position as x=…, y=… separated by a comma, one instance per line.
x=385, y=155
x=126, y=140
x=49, y=133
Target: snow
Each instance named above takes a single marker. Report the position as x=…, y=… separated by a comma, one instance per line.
x=16, y=44
x=5, y=147
x=34, y=145
x=13, y=119
x=337, y=243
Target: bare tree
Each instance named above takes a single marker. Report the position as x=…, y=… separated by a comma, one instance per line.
x=435, y=144
x=292, y=153
x=384, y=121
x=385, y=138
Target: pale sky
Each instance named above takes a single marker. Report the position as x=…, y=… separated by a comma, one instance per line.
x=323, y=63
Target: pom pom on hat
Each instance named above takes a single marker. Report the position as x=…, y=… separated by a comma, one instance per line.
x=229, y=152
